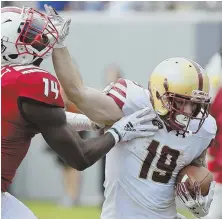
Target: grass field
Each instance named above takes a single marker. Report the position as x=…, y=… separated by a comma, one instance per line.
x=45, y=210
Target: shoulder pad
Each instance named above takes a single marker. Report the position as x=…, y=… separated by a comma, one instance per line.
x=41, y=86
x=117, y=91
x=210, y=125
x=129, y=96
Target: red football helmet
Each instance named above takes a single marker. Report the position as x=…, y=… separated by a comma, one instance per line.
x=27, y=34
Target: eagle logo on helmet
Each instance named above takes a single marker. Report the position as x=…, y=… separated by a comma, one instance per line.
x=165, y=84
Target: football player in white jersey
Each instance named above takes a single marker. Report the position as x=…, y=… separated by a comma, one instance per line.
x=141, y=175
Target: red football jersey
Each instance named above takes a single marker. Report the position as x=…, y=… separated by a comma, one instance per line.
x=216, y=149
x=17, y=82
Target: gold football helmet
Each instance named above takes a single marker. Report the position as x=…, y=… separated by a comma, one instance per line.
x=180, y=80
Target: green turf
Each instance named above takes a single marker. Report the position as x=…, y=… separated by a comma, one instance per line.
x=46, y=210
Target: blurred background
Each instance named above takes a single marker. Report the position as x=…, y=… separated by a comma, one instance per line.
x=110, y=39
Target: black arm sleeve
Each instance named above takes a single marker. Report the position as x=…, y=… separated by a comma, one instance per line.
x=61, y=137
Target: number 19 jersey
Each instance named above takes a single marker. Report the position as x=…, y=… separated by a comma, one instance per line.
x=141, y=174
x=19, y=82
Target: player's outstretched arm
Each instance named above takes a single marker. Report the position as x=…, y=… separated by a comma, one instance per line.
x=79, y=154
x=93, y=103
x=61, y=136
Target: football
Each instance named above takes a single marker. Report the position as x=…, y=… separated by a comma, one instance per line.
x=190, y=174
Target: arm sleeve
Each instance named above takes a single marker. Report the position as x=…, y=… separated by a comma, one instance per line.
x=40, y=86
x=80, y=122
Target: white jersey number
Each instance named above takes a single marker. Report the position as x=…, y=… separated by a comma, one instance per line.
x=50, y=86
x=165, y=164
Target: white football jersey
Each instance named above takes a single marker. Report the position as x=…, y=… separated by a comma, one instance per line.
x=141, y=174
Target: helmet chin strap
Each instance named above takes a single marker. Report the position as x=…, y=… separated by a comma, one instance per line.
x=177, y=124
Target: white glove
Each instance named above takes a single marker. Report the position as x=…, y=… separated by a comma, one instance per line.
x=61, y=25
x=134, y=126
x=180, y=216
x=198, y=205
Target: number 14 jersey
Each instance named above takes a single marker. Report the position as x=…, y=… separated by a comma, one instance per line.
x=19, y=82
x=141, y=174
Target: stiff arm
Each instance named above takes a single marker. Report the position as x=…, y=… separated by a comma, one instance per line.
x=64, y=140
x=95, y=104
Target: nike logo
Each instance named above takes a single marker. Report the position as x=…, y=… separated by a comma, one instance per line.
x=9, y=20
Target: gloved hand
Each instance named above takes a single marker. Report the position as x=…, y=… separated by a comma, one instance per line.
x=198, y=205
x=62, y=25
x=136, y=125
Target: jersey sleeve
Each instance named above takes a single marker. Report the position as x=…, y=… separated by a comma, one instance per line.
x=40, y=86
x=117, y=91
x=129, y=96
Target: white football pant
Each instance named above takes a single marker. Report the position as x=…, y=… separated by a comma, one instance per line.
x=12, y=208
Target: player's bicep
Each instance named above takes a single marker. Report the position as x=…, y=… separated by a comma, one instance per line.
x=41, y=114
x=201, y=160
x=99, y=107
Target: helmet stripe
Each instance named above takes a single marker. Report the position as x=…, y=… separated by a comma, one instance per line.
x=199, y=73
x=11, y=9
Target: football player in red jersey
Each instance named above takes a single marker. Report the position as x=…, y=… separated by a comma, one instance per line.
x=214, y=71
x=32, y=104
x=215, y=154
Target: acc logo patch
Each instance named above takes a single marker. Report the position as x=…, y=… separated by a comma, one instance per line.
x=158, y=123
